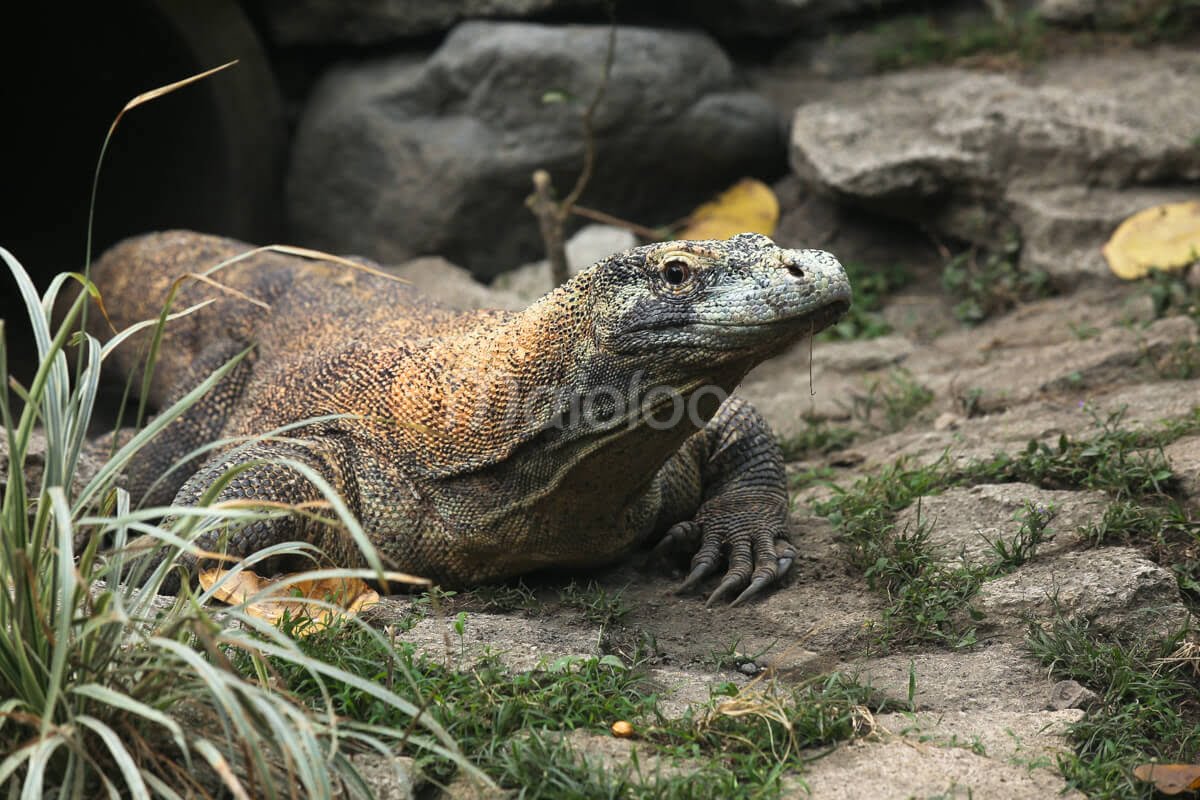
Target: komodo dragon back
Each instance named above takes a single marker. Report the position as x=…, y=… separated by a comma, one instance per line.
x=478, y=445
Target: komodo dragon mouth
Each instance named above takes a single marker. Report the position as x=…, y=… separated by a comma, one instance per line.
x=779, y=332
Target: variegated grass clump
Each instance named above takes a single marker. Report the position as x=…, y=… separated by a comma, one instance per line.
x=107, y=690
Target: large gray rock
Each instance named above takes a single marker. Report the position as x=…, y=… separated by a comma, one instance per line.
x=1184, y=457
x=965, y=521
x=977, y=156
x=368, y=22
x=394, y=159
x=1115, y=588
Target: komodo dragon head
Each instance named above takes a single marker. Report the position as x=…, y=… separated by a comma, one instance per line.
x=715, y=302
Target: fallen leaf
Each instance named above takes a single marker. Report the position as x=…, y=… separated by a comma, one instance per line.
x=351, y=595
x=1160, y=237
x=1170, y=778
x=749, y=206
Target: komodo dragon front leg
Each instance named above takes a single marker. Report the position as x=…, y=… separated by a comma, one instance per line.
x=724, y=498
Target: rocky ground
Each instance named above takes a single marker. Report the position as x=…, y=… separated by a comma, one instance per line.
x=987, y=717
x=1024, y=172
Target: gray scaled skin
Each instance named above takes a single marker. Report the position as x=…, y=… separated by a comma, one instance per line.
x=481, y=445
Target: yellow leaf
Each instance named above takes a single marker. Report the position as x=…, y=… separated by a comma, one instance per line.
x=1170, y=778
x=294, y=599
x=1160, y=237
x=749, y=206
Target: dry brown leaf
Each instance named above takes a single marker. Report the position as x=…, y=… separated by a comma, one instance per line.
x=1170, y=778
x=351, y=595
x=749, y=206
x=1160, y=237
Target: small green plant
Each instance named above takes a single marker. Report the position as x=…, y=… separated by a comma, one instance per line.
x=1148, y=708
x=1126, y=521
x=989, y=283
x=433, y=601
x=900, y=398
x=598, y=604
x=970, y=401
x=1034, y=530
x=802, y=479
x=929, y=600
x=1170, y=293
x=817, y=438
x=1180, y=362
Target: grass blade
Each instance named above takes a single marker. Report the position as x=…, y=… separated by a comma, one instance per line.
x=124, y=762
x=123, y=702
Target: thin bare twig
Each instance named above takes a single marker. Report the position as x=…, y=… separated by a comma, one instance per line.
x=552, y=214
x=589, y=138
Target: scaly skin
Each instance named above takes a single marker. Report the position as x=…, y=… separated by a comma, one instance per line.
x=487, y=444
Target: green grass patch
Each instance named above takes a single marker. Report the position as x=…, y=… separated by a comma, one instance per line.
x=929, y=599
x=1148, y=705
x=988, y=283
x=918, y=40
x=897, y=399
x=818, y=438
x=598, y=605
x=512, y=725
x=1165, y=526
x=802, y=479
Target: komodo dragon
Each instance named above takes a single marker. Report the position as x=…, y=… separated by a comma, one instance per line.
x=485, y=444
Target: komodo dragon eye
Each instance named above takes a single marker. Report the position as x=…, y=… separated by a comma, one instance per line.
x=676, y=272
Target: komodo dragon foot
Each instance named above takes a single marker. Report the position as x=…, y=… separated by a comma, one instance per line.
x=735, y=467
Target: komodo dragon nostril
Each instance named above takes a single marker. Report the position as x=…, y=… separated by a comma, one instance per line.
x=793, y=266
